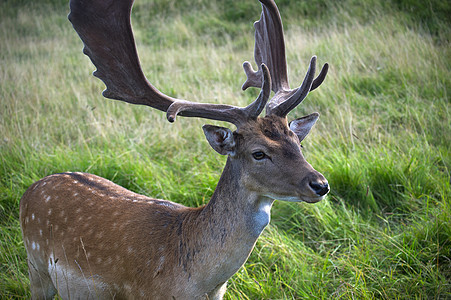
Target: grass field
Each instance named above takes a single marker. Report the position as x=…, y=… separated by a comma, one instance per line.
x=383, y=140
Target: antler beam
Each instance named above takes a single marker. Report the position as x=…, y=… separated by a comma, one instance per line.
x=232, y=114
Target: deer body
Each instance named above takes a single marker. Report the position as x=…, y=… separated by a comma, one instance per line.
x=88, y=238
x=143, y=248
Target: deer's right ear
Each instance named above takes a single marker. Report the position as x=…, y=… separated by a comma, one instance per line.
x=220, y=139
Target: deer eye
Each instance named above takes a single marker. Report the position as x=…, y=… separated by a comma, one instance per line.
x=258, y=155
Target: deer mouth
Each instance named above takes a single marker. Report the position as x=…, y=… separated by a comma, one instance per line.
x=299, y=198
x=312, y=199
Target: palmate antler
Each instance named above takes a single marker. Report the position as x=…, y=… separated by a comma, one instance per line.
x=105, y=29
x=270, y=50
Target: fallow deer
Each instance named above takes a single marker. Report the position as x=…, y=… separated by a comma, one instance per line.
x=88, y=238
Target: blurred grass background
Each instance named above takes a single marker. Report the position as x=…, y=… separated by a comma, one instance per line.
x=383, y=139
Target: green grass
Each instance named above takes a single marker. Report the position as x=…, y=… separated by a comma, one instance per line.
x=383, y=139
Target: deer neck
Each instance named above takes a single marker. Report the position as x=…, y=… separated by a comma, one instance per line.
x=237, y=209
x=227, y=228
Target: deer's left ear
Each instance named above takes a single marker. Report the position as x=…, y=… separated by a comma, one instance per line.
x=220, y=139
x=303, y=125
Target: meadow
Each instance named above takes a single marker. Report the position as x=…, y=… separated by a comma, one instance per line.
x=383, y=140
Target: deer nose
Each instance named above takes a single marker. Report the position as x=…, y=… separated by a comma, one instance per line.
x=320, y=188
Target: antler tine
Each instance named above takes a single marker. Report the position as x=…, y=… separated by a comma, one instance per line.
x=288, y=101
x=105, y=29
x=270, y=49
x=322, y=75
x=255, y=108
x=233, y=114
